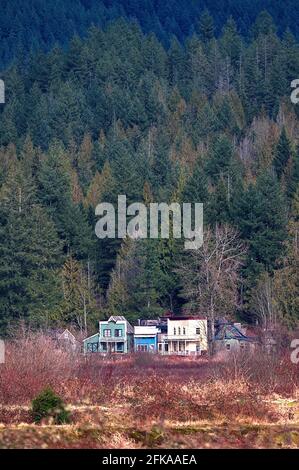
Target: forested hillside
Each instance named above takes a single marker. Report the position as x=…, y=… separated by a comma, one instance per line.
x=37, y=24
x=206, y=120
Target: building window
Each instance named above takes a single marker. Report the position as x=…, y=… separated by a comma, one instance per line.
x=104, y=347
x=228, y=346
x=142, y=347
x=184, y=330
x=174, y=331
x=198, y=331
x=92, y=347
x=179, y=331
x=107, y=332
x=166, y=347
x=118, y=333
x=119, y=347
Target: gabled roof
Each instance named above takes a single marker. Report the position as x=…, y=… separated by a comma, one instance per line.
x=92, y=336
x=230, y=331
x=68, y=333
x=130, y=329
x=58, y=333
x=116, y=318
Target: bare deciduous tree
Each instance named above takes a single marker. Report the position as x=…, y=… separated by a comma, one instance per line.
x=263, y=303
x=210, y=275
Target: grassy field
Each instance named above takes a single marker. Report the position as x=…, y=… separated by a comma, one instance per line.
x=98, y=427
x=150, y=401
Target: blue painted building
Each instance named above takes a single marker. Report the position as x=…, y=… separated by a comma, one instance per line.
x=145, y=338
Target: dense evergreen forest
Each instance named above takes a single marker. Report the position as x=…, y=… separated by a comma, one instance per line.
x=208, y=119
x=37, y=24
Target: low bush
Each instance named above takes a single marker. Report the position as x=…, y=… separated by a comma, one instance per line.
x=48, y=405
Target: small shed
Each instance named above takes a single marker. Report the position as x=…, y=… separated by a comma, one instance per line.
x=65, y=339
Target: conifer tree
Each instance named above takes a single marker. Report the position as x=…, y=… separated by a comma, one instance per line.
x=206, y=27
x=78, y=304
x=260, y=214
x=282, y=154
x=30, y=255
x=231, y=42
x=293, y=179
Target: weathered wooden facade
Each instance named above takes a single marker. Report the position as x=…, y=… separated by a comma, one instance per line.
x=229, y=337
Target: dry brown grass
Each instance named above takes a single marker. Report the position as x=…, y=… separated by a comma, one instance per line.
x=136, y=398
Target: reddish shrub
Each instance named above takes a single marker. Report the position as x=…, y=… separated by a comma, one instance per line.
x=149, y=386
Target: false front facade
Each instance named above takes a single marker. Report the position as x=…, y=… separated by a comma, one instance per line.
x=145, y=338
x=185, y=336
x=115, y=336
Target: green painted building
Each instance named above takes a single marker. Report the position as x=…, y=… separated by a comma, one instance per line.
x=115, y=336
